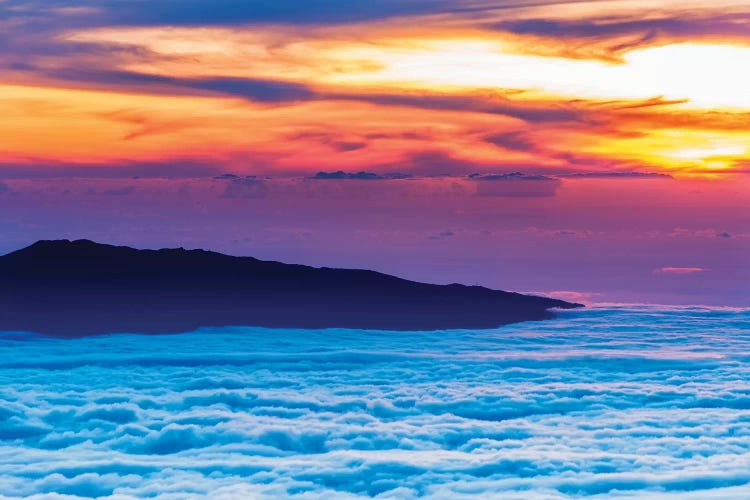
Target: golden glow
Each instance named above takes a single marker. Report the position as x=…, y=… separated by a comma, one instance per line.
x=704, y=75
x=704, y=153
x=88, y=126
x=707, y=79
x=85, y=125
x=707, y=76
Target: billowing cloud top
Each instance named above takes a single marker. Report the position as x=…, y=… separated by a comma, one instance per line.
x=594, y=405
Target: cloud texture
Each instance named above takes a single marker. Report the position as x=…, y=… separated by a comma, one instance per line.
x=596, y=404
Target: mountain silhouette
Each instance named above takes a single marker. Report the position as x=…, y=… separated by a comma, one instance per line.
x=76, y=288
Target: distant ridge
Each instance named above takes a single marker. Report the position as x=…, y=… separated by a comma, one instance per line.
x=78, y=288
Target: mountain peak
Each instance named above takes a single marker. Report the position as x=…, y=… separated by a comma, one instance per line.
x=61, y=244
x=85, y=248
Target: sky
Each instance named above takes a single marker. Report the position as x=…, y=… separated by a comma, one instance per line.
x=595, y=150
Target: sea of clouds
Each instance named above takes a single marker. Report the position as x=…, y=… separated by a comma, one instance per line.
x=618, y=402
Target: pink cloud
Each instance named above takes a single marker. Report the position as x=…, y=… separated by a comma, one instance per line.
x=571, y=295
x=681, y=270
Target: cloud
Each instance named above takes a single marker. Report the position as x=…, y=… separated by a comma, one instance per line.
x=245, y=187
x=515, y=141
x=621, y=33
x=511, y=177
x=336, y=143
x=571, y=295
x=433, y=162
x=238, y=12
x=167, y=168
x=681, y=270
x=365, y=176
x=344, y=147
x=406, y=136
x=254, y=89
x=516, y=184
x=558, y=112
x=681, y=232
x=590, y=404
x=121, y=191
x=617, y=175
x=437, y=163
x=49, y=18
x=443, y=235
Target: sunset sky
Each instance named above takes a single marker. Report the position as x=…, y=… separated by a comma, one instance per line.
x=597, y=149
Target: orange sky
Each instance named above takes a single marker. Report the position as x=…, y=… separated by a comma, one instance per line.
x=585, y=86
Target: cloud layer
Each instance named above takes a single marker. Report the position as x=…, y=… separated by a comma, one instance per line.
x=584, y=406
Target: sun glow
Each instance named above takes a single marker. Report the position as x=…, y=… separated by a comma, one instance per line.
x=705, y=153
x=674, y=107
x=704, y=76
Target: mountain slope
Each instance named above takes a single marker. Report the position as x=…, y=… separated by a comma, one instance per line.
x=75, y=288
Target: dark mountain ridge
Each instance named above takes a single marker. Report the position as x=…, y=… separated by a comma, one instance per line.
x=76, y=288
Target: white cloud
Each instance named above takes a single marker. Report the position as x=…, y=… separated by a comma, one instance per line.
x=606, y=403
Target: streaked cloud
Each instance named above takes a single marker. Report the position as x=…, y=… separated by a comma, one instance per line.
x=654, y=88
x=363, y=176
x=618, y=175
x=681, y=270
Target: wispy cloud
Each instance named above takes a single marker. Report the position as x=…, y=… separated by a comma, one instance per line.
x=681, y=270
